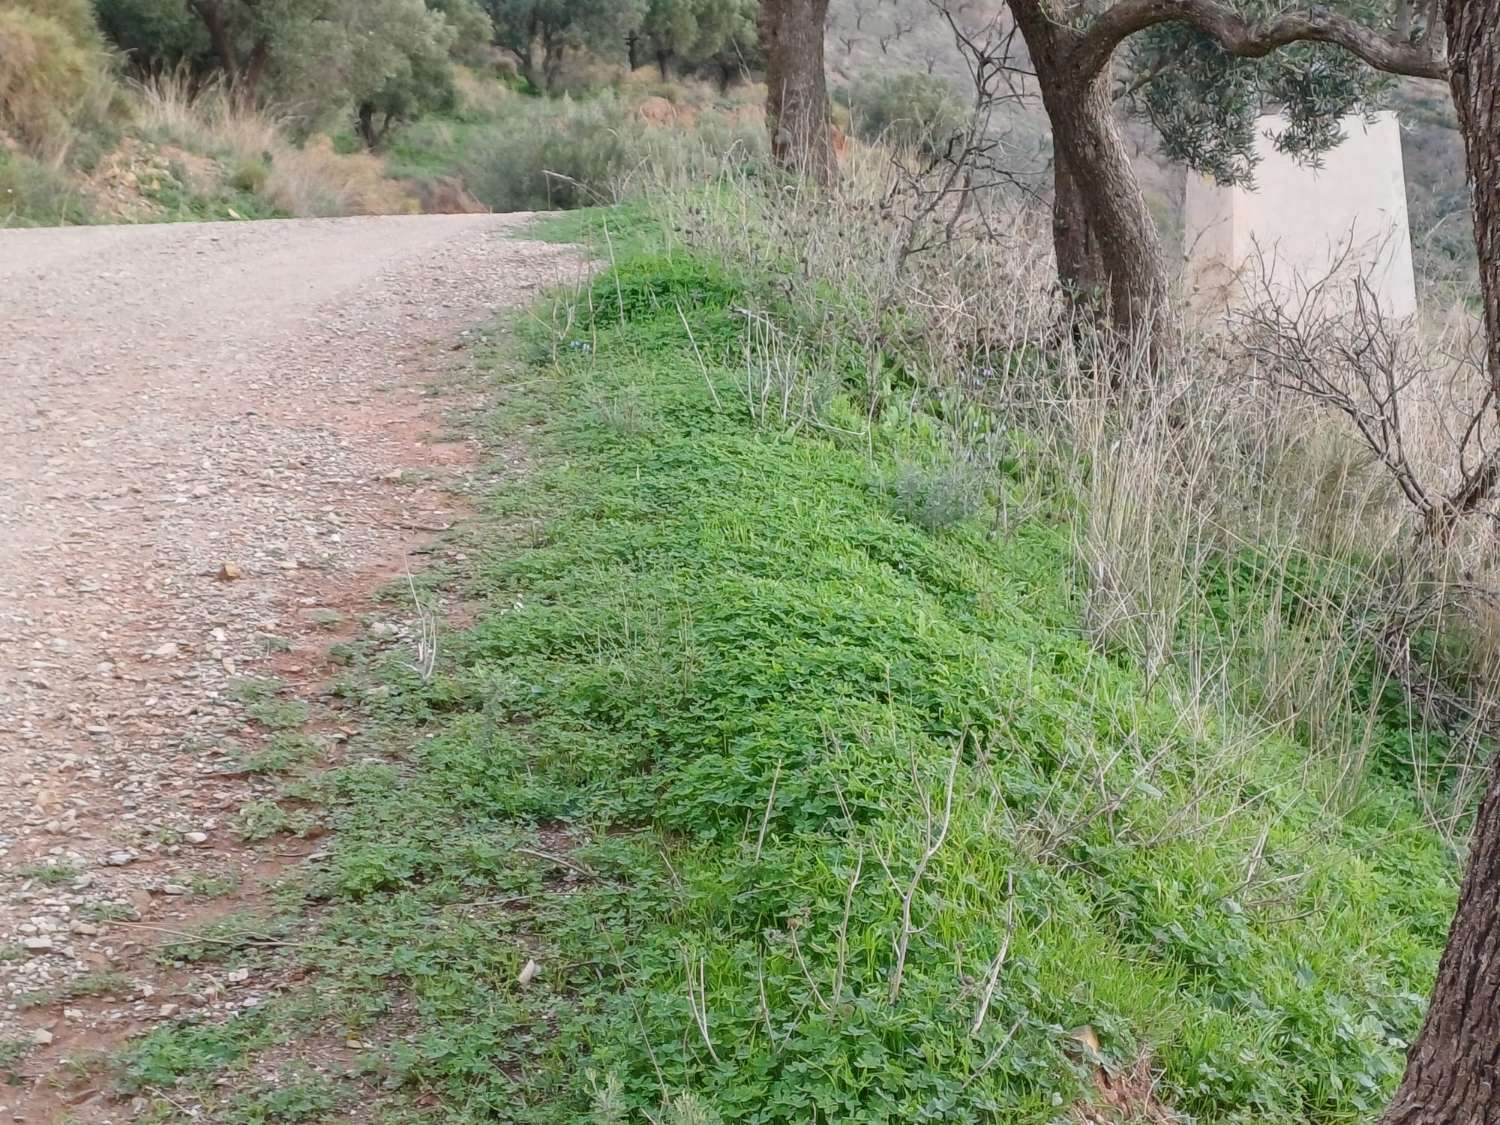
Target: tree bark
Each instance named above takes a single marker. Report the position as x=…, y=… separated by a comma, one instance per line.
x=220, y=37
x=365, y=123
x=797, y=109
x=1453, y=1068
x=1079, y=270
x=1249, y=38
x=526, y=53
x=552, y=63
x=526, y=63
x=1106, y=240
x=1474, y=76
x=1128, y=247
x=248, y=87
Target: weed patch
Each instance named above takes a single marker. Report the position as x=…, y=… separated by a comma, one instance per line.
x=172, y=1053
x=224, y=938
x=12, y=1051
x=264, y=818
x=79, y=988
x=769, y=785
x=279, y=714
x=49, y=874
x=284, y=751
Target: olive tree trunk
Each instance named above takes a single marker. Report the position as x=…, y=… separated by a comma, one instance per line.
x=220, y=37
x=1080, y=273
x=1109, y=253
x=1453, y=1069
x=1474, y=75
x=797, y=111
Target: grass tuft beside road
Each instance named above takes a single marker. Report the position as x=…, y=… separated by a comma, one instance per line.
x=811, y=801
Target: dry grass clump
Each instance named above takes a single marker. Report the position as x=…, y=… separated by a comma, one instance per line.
x=582, y=72
x=560, y=153
x=76, y=17
x=480, y=95
x=45, y=74
x=687, y=92
x=308, y=180
x=314, y=180
x=202, y=117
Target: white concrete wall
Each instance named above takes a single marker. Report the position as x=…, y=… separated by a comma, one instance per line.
x=1298, y=222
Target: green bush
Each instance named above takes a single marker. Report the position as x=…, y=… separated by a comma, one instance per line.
x=933, y=497
x=910, y=111
x=564, y=154
x=559, y=154
x=155, y=35
x=250, y=175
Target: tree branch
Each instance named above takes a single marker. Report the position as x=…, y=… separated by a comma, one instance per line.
x=1097, y=41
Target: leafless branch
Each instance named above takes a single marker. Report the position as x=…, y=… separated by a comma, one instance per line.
x=698, y=1000
x=843, y=934
x=992, y=979
x=933, y=196
x=1329, y=341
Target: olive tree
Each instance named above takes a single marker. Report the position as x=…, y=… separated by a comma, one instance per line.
x=698, y=34
x=248, y=36
x=397, y=60
x=1201, y=69
x=539, y=34
x=239, y=39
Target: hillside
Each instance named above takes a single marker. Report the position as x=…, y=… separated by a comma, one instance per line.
x=702, y=644
x=777, y=767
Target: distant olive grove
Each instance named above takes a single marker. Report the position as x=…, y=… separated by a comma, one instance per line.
x=392, y=60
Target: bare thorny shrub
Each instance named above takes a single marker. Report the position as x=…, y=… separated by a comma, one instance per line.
x=937, y=197
x=1418, y=409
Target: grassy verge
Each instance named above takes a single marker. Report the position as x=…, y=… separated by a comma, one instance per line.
x=770, y=786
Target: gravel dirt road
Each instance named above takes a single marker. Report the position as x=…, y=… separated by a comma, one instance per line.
x=216, y=442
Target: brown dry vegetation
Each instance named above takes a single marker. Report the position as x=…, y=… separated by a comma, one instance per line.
x=309, y=179
x=45, y=73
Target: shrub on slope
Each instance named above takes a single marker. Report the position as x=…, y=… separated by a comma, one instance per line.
x=46, y=68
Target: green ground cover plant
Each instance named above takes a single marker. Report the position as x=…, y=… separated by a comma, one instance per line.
x=766, y=787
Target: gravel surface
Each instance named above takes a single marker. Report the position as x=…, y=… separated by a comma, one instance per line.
x=215, y=443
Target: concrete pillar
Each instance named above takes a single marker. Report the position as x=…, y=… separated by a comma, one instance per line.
x=1298, y=223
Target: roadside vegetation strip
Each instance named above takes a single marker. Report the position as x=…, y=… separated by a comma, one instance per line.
x=810, y=800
